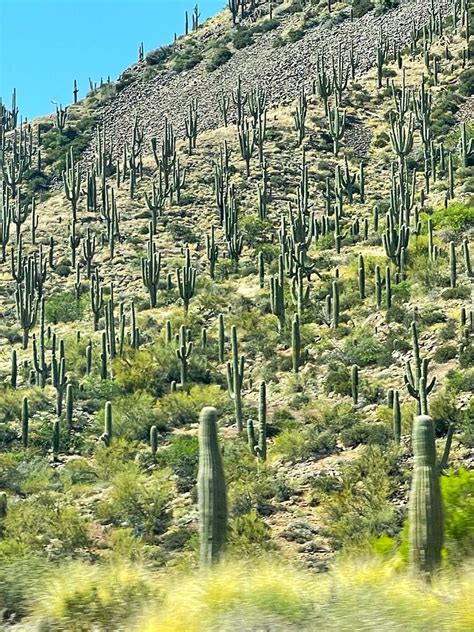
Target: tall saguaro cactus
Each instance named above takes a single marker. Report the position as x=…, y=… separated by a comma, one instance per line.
x=212, y=494
x=425, y=511
x=235, y=377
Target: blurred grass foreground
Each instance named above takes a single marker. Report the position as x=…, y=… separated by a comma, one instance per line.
x=370, y=594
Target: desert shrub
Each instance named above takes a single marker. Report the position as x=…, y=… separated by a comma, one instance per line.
x=444, y=112
x=363, y=349
x=458, y=292
x=78, y=597
x=360, y=509
x=149, y=370
x=63, y=308
x=294, y=35
x=466, y=82
x=384, y=5
x=25, y=472
x=242, y=38
x=11, y=401
x=445, y=411
x=109, y=461
x=219, y=57
x=458, y=501
x=265, y=26
x=366, y=433
x=323, y=485
x=321, y=442
x=448, y=332
x=78, y=474
x=46, y=520
x=457, y=489
x=159, y=56
x=445, y=353
x=466, y=358
x=461, y=380
x=97, y=391
x=182, y=457
x=133, y=416
x=361, y=7
x=431, y=316
x=338, y=379
x=291, y=444
x=138, y=502
x=183, y=407
x=456, y=217
x=186, y=59
x=325, y=415
x=21, y=576
x=249, y=535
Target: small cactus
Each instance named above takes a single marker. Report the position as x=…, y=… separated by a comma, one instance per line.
x=153, y=439
x=25, y=418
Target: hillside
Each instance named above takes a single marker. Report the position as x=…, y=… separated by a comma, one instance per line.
x=282, y=232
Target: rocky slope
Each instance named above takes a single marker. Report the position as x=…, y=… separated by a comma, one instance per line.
x=282, y=72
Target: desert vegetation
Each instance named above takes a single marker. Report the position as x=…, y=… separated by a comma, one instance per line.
x=236, y=354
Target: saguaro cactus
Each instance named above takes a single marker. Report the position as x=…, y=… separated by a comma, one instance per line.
x=416, y=381
x=425, y=511
x=355, y=383
x=183, y=352
x=212, y=494
x=186, y=278
x=25, y=418
x=259, y=447
x=397, y=417
x=153, y=439
x=235, y=377
x=106, y=438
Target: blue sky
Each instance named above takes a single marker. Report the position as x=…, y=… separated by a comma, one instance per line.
x=46, y=44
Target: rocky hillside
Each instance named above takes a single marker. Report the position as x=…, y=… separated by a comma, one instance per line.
x=281, y=71
x=284, y=235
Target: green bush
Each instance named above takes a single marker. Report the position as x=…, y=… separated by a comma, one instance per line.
x=219, y=57
x=466, y=82
x=242, y=38
x=365, y=433
x=46, y=520
x=457, y=216
x=363, y=349
x=294, y=35
x=461, y=381
x=63, y=308
x=159, y=56
x=139, y=502
x=457, y=489
x=361, y=7
x=133, y=416
x=25, y=472
x=265, y=26
x=182, y=457
x=249, y=535
x=445, y=353
x=11, y=400
x=183, y=407
x=466, y=358
x=21, y=576
x=360, y=509
x=187, y=59
x=78, y=597
x=292, y=444
x=384, y=5
x=338, y=379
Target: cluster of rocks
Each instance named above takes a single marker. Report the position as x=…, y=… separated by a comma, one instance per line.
x=281, y=71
